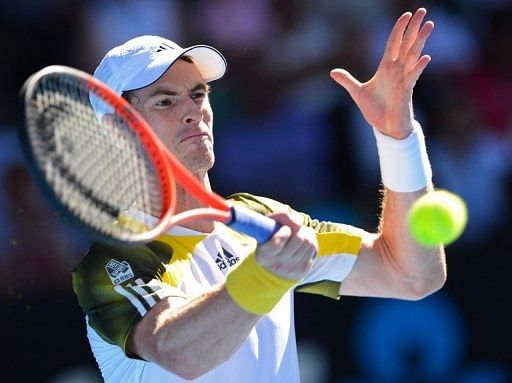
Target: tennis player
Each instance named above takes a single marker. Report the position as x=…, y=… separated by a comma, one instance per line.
x=203, y=302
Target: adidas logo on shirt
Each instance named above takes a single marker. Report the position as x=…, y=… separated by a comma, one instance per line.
x=225, y=259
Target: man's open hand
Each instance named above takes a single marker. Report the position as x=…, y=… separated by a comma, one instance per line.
x=386, y=99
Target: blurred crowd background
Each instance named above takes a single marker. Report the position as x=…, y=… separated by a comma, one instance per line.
x=285, y=130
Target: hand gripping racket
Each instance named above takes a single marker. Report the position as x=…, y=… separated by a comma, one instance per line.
x=107, y=168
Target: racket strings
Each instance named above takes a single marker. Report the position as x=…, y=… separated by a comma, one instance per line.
x=99, y=171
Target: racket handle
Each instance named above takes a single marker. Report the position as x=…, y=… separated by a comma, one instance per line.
x=258, y=226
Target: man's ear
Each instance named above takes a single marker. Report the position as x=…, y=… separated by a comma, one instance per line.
x=108, y=121
x=116, y=130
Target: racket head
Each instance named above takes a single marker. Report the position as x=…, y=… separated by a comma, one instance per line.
x=103, y=167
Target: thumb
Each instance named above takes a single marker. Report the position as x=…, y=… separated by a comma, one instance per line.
x=346, y=80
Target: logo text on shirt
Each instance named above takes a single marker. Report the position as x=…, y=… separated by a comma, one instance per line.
x=227, y=260
x=119, y=271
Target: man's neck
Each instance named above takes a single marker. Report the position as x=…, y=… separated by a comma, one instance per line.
x=185, y=201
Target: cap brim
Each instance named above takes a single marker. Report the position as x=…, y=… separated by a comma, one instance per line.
x=209, y=61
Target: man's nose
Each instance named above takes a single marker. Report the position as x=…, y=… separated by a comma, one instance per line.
x=192, y=113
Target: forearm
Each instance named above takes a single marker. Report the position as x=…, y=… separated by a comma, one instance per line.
x=406, y=175
x=417, y=270
x=391, y=263
x=198, y=336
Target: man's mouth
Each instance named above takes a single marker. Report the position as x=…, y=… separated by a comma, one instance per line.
x=193, y=136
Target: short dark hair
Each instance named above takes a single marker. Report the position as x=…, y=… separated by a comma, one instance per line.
x=186, y=58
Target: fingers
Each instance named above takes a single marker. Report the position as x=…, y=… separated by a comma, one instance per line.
x=405, y=45
x=408, y=37
x=278, y=241
x=417, y=47
x=291, y=251
x=411, y=33
x=414, y=74
x=395, y=37
x=297, y=256
x=301, y=240
x=401, y=60
x=302, y=244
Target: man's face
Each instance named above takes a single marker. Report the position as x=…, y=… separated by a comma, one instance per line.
x=177, y=108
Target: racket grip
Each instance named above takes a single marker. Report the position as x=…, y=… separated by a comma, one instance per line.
x=256, y=225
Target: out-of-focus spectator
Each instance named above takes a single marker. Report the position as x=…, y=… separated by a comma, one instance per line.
x=38, y=249
x=236, y=26
x=109, y=23
x=490, y=84
x=468, y=159
x=452, y=45
x=292, y=99
x=34, y=34
x=39, y=252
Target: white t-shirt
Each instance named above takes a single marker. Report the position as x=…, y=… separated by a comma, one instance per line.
x=198, y=261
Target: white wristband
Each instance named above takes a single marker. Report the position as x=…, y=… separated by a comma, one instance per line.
x=404, y=164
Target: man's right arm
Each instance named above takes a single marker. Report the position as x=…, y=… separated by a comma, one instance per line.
x=181, y=338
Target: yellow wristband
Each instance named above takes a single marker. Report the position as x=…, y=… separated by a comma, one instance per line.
x=254, y=288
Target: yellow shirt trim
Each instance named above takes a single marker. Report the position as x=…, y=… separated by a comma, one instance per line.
x=179, y=265
x=338, y=243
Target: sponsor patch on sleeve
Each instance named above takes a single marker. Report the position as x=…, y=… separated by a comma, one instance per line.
x=119, y=271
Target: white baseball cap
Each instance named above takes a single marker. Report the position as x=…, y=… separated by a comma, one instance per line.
x=142, y=60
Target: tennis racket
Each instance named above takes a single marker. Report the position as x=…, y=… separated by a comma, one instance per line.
x=104, y=166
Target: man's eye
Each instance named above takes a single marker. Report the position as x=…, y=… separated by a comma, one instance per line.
x=163, y=103
x=198, y=95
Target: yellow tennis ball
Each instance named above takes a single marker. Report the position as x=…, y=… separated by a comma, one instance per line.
x=437, y=217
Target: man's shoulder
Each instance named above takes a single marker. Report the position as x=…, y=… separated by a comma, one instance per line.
x=259, y=204
x=101, y=258
x=100, y=252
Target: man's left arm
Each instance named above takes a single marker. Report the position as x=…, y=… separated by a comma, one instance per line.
x=391, y=263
